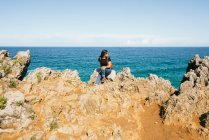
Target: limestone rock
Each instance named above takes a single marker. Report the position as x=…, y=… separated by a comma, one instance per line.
x=21, y=64
x=95, y=74
x=192, y=99
x=93, y=77
x=125, y=74
x=16, y=114
x=44, y=73
x=51, y=104
x=38, y=75
x=204, y=120
x=3, y=54
x=14, y=68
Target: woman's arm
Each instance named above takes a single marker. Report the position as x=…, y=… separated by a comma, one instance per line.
x=109, y=65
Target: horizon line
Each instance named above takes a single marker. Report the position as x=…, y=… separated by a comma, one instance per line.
x=164, y=46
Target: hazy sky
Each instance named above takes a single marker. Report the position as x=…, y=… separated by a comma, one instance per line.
x=104, y=22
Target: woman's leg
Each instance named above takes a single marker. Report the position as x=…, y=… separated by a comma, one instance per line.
x=101, y=71
x=107, y=72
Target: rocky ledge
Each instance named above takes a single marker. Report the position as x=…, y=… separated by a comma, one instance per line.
x=49, y=104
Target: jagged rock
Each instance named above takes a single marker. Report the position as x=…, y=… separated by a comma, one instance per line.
x=14, y=68
x=192, y=99
x=125, y=74
x=70, y=75
x=94, y=77
x=204, y=120
x=3, y=54
x=197, y=72
x=21, y=64
x=1, y=74
x=53, y=137
x=51, y=104
x=160, y=89
x=44, y=73
x=38, y=75
x=15, y=115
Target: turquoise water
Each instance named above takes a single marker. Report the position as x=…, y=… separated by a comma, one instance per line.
x=169, y=63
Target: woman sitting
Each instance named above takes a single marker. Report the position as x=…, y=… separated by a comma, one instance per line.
x=105, y=65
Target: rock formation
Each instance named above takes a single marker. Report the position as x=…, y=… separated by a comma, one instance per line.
x=192, y=99
x=49, y=104
x=16, y=67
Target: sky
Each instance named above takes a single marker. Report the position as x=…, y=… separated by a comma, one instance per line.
x=104, y=23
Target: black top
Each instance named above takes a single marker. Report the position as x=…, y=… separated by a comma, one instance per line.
x=104, y=62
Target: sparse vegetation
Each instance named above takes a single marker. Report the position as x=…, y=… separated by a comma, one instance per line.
x=30, y=110
x=20, y=61
x=19, y=103
x=3, y=102
x=32, y=117
x=38, y=76
x=12, y=84
x=53, y=125
x=33, y=137
x=7, y=70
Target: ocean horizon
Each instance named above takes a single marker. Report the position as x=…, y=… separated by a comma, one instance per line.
x=169, y=63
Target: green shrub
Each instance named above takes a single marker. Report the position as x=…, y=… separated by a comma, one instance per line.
x=38, y=76
x=20, y=61
x=30, y=110
x=32, y=117
x=3, y=102
x=12, y=84
x=53, y=125
x=33, y=137
x=19, y=103
x=7, y=70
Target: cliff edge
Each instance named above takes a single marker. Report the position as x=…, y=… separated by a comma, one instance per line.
x=49, y=104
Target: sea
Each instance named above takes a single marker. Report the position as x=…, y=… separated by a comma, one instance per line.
x=169, y=63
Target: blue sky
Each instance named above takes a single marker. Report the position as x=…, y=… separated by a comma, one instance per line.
x=104, y=23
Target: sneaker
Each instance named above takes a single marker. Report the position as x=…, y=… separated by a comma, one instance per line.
x=102, y=80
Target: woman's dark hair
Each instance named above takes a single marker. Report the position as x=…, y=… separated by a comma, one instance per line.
x=103, y=53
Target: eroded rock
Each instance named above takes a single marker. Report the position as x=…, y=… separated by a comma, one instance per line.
x=192, y=99
x=16, y=67
x=51, y=104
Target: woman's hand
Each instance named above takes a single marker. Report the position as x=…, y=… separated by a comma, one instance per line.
x=103, y=67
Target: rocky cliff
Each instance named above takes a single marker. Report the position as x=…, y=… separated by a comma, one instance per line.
x=49, y=104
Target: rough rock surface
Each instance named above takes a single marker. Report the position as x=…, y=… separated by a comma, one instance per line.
x=49, y=104
x=16, y=114
x=95, y=74
x=16, y=67
x=192, y=99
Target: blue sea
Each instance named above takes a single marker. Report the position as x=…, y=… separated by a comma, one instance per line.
x=166, y=62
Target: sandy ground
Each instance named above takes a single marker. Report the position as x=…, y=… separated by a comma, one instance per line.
x=154, y=129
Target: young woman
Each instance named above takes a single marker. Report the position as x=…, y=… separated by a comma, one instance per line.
x=105, y=65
